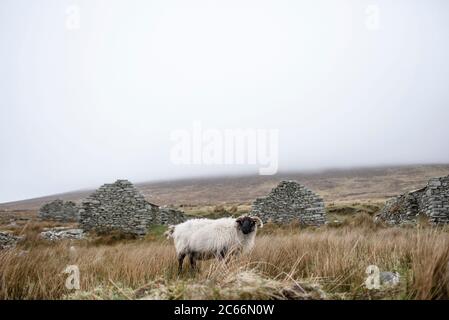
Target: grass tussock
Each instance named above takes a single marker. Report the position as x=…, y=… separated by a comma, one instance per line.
x=335, y=259
x=235, y=279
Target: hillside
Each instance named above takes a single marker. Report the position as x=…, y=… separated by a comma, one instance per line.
x=334, y=185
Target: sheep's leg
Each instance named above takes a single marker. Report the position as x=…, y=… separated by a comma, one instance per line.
x=181, y=257
x=223, y=252
x=192, y=261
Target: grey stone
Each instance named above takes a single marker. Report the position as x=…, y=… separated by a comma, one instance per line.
x=290, y=201
x=8, y=240
x=58, y=210
x=63, y=233
x=388, y=278
x=432, y=201
x=120, y=206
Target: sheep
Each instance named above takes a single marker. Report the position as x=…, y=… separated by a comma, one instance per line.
x=203, y=239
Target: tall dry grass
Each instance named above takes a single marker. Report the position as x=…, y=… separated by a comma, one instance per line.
x=336, y=258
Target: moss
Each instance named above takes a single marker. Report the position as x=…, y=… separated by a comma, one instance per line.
x=156, y=231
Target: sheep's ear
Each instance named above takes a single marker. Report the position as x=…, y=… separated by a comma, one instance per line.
x=239, y=219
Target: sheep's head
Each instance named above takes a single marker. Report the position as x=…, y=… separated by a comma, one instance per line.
x=248, y=224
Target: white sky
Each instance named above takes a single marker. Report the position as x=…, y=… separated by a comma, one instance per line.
x=82, y=107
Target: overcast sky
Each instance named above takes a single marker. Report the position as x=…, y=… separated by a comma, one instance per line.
x=91, y=91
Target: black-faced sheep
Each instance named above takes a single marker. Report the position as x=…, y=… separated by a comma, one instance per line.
x=202, y=239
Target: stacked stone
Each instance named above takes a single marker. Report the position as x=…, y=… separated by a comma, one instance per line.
x=436, y=200
x=403, y=209
x=62, y=233
x=431, y=201
x=58, y=210
x=117, y=206
x=169, y=216
x=289, y=202
x=8, y=240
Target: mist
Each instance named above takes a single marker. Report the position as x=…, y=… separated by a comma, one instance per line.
x=91, y=91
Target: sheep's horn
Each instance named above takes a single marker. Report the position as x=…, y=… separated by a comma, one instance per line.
x=169, y=232
x=257, y=218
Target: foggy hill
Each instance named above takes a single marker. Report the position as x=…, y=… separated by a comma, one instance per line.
x=377, y=183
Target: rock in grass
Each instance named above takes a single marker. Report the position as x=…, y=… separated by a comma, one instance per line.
x=60, y=234
x=8, y=240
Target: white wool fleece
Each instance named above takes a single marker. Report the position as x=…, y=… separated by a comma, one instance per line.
x=210, y=237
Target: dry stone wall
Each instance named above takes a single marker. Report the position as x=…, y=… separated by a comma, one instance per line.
x=432, y=202
x=403, y=209
x=288, y=202
x=117, y=206
x=8, y=240
x=436, y=200
x=167, y=216
x=58, y=210
x=120, y=206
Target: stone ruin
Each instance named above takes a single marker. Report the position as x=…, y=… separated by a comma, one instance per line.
x=431, y=202
x=60, y=233
x=8, y=240
x=120, y=206
x=169, y=216
x=289, y=202
x=58, y=210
